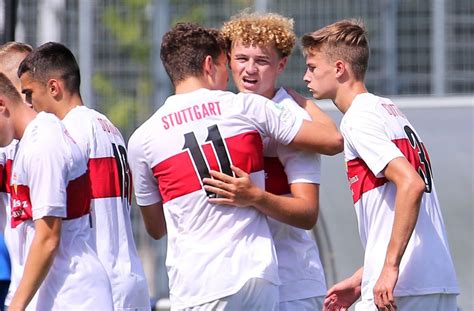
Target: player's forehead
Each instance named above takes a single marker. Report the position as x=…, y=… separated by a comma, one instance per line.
x=28, y=83
x=315, y=56
x=254, y=49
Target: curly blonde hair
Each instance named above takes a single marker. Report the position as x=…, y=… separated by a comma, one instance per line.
x=260, y=29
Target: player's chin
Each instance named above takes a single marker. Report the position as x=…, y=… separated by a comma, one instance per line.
x=314, y=93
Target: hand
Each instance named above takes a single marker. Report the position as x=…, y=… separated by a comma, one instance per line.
x=15, y=305
x=299, y=99
x=236, y=191
x=342, y=295
x=383, y=289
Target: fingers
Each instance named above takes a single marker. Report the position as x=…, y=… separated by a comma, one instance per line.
x=332, y=305
x=384, y=301
x=220, y=176
x=222, y=193
x=238, y=172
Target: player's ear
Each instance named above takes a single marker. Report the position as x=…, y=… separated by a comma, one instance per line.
x=4, y=110
x=208, y=66
x=282, y=64
x=54, y=88
x=340, y=67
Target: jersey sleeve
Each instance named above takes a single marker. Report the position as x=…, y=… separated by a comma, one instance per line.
x=47, y=173
x=82, y=132
x=144, y=183
x=364, y=132
x=300, y=166
x=274, y=120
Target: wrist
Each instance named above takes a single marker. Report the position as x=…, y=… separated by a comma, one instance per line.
x=391, y=262
x=257, y=199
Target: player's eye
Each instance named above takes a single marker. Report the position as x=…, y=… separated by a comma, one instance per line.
x=28, y=97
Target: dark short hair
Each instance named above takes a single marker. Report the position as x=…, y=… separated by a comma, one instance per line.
x=185, y=47
x=52, y=60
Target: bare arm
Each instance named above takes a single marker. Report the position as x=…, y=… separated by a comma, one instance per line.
x=154, y=220
x=300, y=210
x=410, y=188
x=322, y=132
x=39, y=260
x=343, y=294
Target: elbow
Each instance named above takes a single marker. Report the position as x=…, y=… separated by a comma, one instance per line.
x=156, y=234
x=414, y=187
x=418, y=187
x=309, y=221
x=337, y=145
x=51, y=244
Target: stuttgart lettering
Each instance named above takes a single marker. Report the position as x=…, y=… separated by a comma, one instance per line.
x=190, y=114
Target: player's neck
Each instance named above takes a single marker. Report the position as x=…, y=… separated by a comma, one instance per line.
x=69, y=102
x=22, y=116
x=191, y=84
x=346, y=94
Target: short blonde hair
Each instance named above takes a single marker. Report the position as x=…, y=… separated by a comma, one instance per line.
x=261, y=29
x=345, y=39
x=8, y=89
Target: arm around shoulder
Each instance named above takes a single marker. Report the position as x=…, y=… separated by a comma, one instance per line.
x=321, y=134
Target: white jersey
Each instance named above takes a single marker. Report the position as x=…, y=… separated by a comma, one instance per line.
x=7, y=155
x=112, y=238
x=213, y=250
x=49, y=178
x=376, y=132
x=299, y=266
x=6, y=159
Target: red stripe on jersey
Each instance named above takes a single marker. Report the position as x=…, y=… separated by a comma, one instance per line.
x=410, y=152
x=78, y=200
x=361, y=179
x=210, y=156
x=5, y=174
x=246, y=151
x=78, y=197
x=20, y=205
x=177, y=175
x=276, y=181
x=104, y=177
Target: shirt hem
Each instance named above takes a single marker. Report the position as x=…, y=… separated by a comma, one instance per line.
x=228, y=292
x=420, y=292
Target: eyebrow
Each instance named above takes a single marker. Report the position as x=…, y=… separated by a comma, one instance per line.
x=262, y=56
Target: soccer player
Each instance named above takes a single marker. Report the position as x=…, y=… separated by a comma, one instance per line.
x=50, y=78
x=218, y=256
x=407, y=263
x=50, y=196
x=11, y=55
x=260, y=45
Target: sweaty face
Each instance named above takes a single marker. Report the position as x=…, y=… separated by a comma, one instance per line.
x=255, y=69
x=35, y=93
x=320, y=76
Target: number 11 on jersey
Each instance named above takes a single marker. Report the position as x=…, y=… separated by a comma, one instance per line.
x=201, y=164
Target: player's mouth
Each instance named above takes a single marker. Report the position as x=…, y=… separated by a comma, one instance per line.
x=249, y=82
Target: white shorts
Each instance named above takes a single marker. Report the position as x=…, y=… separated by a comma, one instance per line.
x=256, y=295
x=434, y=302
x=308, y=304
